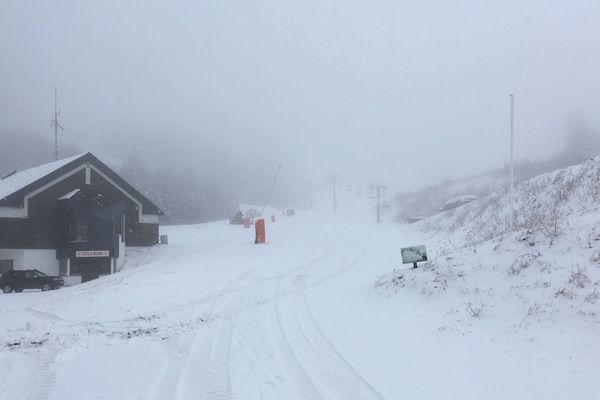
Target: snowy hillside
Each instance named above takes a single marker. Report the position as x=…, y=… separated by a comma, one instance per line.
x=534, y=281
x=543, y=207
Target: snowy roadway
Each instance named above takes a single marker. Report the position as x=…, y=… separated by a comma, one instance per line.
x=213, y=316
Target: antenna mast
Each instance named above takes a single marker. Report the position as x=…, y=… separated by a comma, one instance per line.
x=56, y=125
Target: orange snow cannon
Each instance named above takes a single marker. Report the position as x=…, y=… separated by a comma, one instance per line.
x=259, y=228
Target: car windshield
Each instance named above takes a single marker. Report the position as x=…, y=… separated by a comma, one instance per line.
x=39, y=273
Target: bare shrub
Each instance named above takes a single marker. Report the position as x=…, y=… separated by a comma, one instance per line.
x=593, y=296
x=393, y=280
x=554, y=224
x=593, y=235
x=547, y=218
x=579, y=277
x=534, y=310
x=595, y=258
x=475, y=311
x=522, y=262
x=444, y=251
x=566, y=293
x=440, y=281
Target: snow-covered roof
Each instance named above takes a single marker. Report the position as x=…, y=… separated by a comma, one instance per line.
x=23, y=178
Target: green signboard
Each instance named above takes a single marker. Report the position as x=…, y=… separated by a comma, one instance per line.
x=413, y=254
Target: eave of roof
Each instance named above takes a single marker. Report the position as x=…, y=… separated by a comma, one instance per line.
x=26, y=177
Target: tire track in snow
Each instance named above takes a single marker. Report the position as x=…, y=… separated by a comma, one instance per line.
x=301, y=384
x=294, y=370
x=218, y=378
x=312, y=332
x=37, y=384
x=45, y=377
x=192, y=382
x=219, y=385
x=322, y=366
x=198, y=374
x=204, y=374
x=242, y=300
x=203, y=371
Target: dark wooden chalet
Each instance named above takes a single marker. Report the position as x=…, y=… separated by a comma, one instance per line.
x=72, y=217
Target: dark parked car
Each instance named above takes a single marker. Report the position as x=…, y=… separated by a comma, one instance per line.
x=29, y=279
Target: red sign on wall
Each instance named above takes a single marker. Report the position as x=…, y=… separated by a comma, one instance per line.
x=92, y=253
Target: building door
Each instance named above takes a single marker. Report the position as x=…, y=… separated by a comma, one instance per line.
x=93, y=267
x=62, y=266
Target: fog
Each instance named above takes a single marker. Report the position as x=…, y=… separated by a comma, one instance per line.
x=407, y=92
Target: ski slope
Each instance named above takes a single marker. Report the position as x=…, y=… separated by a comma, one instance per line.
x=213, y=316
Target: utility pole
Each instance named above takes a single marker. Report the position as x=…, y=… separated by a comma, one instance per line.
x=379, y=188
x=512, y=160
x=333, y=182
x=512, y=141
x=56, y=125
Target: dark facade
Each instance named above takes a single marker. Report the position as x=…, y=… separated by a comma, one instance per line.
x=81, y=205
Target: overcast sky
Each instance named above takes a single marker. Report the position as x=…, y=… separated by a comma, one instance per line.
x=403, y=91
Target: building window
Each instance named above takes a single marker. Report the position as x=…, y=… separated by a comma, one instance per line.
x=79, y=232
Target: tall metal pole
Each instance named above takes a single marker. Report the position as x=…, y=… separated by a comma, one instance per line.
x=512, y=161
x=55, y=125
x=512, y=141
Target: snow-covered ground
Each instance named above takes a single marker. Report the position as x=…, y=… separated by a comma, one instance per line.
x=324, y=310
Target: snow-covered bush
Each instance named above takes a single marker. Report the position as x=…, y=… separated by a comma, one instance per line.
x=593, y=296
x=522, y=262
x=390, y=282
x=564, y=292
x=475, y=311
x=579, y=278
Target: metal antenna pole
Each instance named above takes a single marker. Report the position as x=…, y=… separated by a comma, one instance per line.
x=56, y=125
